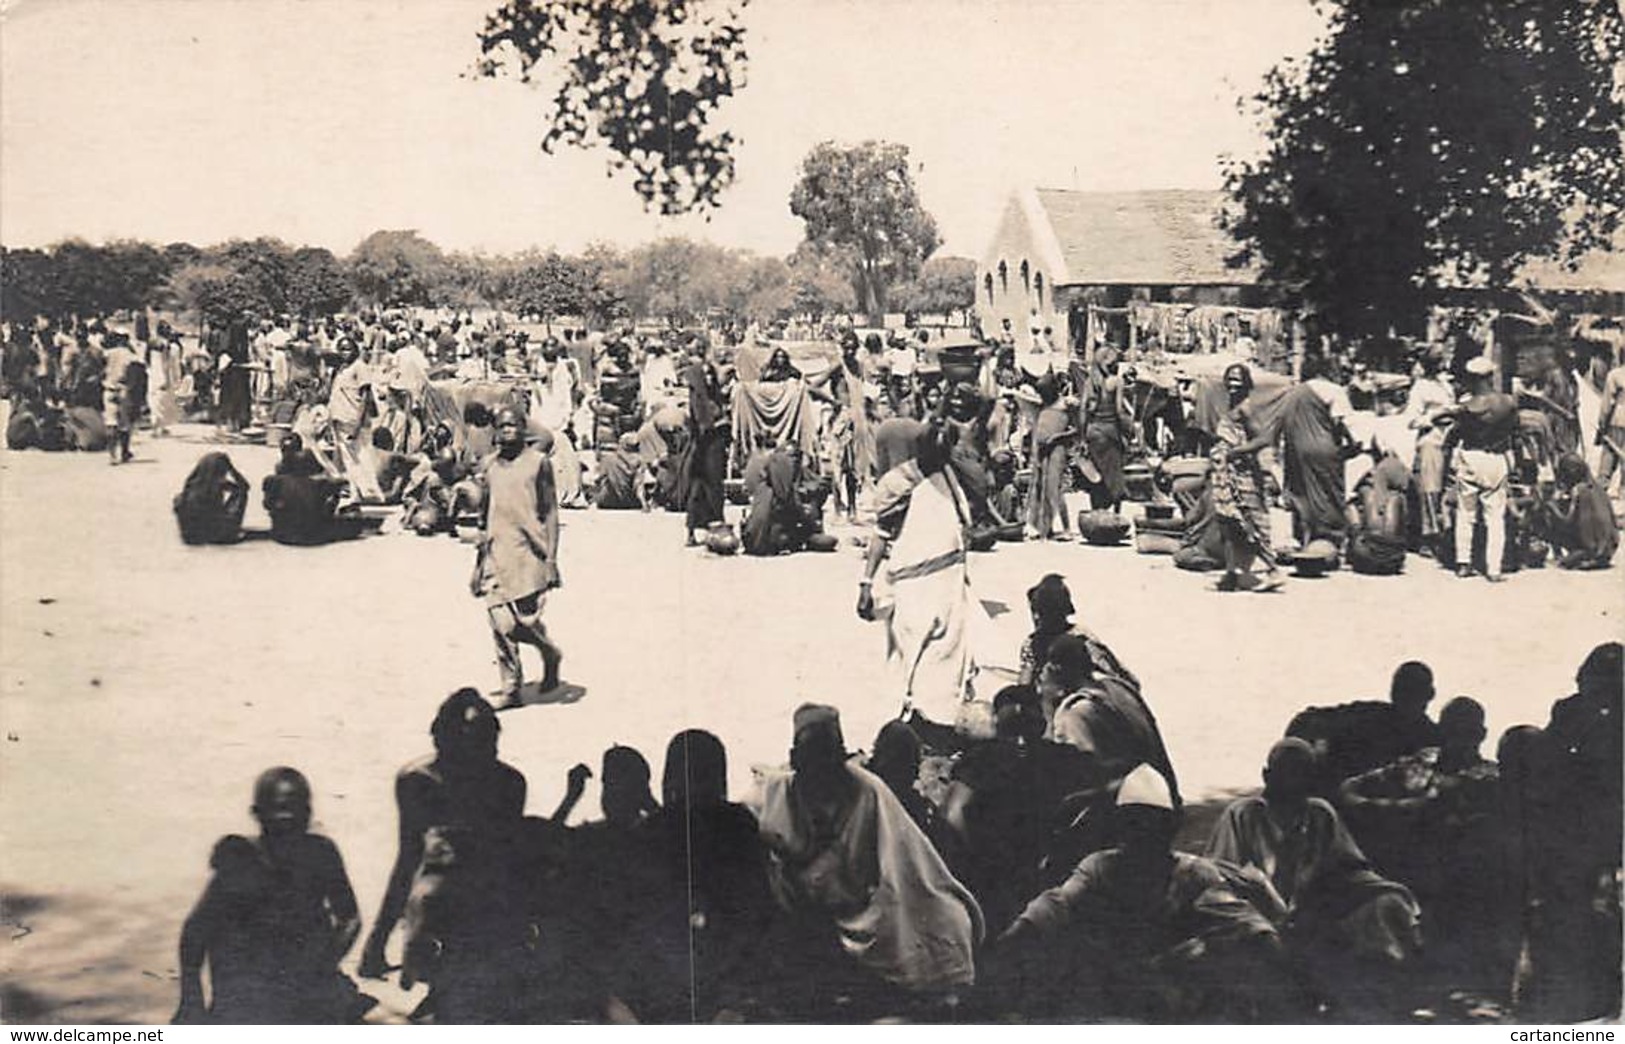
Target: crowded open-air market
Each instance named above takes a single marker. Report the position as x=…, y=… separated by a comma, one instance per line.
x=1103, y=603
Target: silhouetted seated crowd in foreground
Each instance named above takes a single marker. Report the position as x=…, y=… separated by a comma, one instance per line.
x=1385, y=866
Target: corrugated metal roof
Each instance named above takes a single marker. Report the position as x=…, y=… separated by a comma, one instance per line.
x=1148, y=238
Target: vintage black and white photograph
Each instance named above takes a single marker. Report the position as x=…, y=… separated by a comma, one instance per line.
x=927, y=512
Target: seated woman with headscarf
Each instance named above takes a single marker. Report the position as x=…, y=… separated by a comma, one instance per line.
x=303, y=502
x=1106, y=720
x=1050, y=603
x=875, y=916
x=210, y=506
x=1580, y=521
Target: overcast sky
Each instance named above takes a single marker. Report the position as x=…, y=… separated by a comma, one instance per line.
x=318, y=122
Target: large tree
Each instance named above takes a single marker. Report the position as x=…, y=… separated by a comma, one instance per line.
x=675, y=279
x=28, y=285
x=215, y=292
x=862, y=198
x=264, y=264
x=821, y=280
x=1427, y=142
x=643, y=77
x=550, y=285
x=944, y=285
x=318, y=282
x=396, y=267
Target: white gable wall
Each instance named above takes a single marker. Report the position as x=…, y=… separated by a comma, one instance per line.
x=1018, y=273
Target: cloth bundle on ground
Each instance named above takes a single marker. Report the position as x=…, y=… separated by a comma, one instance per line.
x=1375, y=554
x=1104, y=528
x=781, y=410
x=897, y=910
x=87, y=430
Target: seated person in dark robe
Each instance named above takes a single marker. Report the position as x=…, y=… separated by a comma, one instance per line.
x=1354, y=926
x=896, y=760
x=460, y=811
x=697, y=956
x=391, y=470
x=1141, y=931
x=624, y=481
x=1572, y=933
x=303, y=502
x=777, y=520
x=23, y=426
x=614, y=885
x=1580, y=523
x=210, y=506
x=275, y=920
x=1099, y=713
x=1357, y=737
x=1430, y=821
x=1007, y=802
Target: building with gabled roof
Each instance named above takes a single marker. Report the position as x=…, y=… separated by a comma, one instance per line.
x=1057, y=251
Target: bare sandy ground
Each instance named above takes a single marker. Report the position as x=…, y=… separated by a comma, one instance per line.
x=144, y=684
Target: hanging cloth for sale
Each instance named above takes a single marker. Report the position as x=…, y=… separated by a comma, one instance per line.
x=780, y=409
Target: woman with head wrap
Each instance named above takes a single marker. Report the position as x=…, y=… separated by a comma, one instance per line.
x=1050, y=602
x=1235, y=486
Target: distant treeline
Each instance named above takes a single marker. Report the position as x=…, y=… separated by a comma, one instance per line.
x=676, y=280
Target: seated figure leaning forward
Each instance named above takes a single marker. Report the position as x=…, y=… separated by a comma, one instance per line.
x=209, y=508
x=1142, y=931
x=1354, y=927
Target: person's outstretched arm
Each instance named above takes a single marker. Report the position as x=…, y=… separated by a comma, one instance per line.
x=196, y=936
x=409, y=853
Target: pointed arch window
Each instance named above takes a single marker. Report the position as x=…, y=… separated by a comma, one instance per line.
x=1004, y=278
